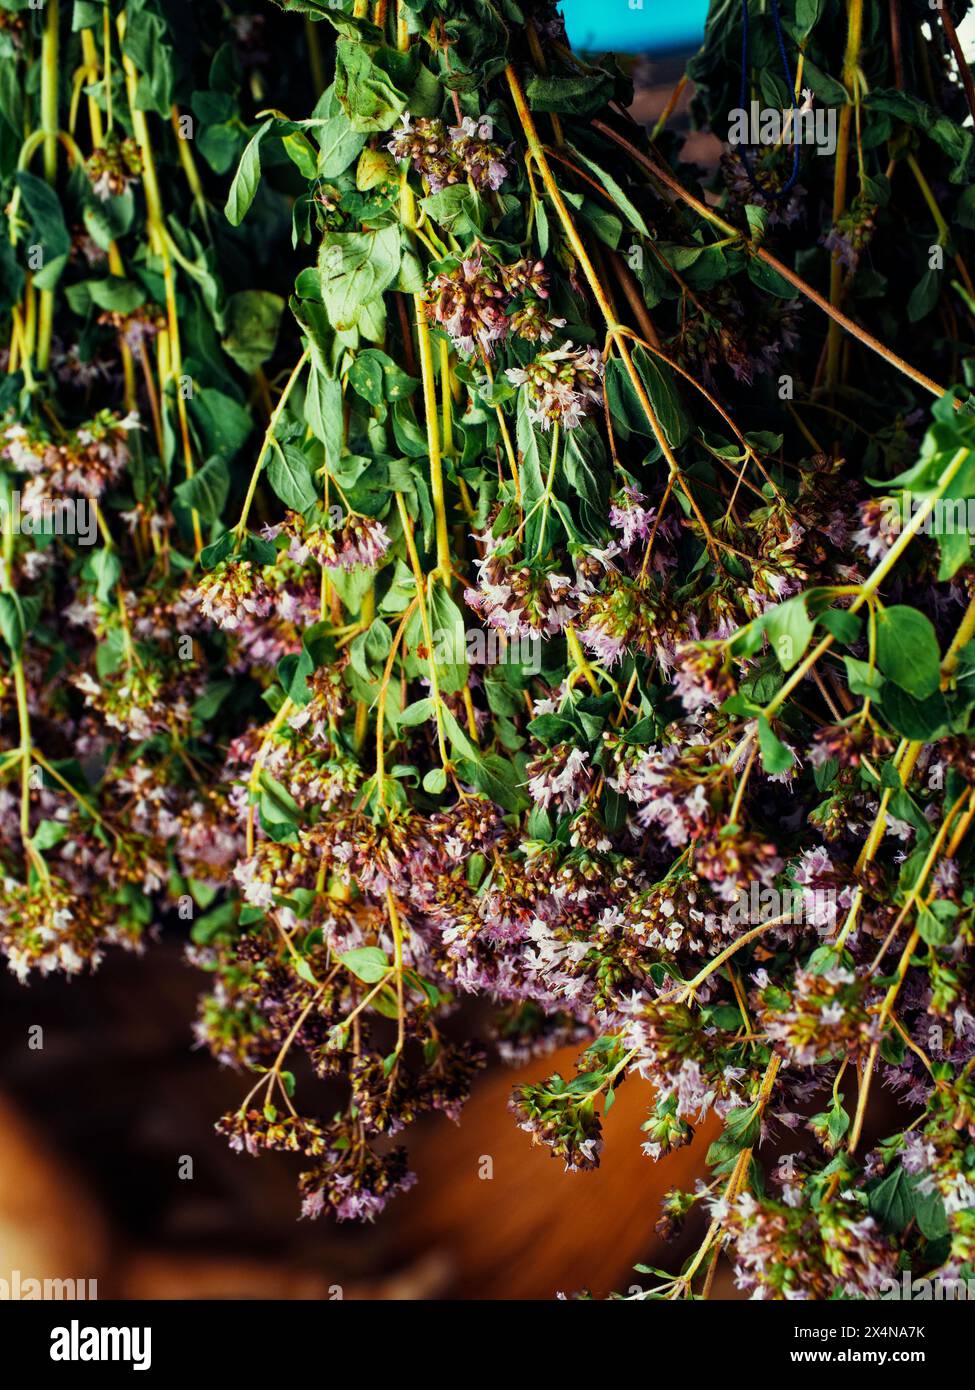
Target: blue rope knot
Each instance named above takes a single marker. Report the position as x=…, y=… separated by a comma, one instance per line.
x=743, y=96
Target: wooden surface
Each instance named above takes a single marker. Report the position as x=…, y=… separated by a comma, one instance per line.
x=94, y=1125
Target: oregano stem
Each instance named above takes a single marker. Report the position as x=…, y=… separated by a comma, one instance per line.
x=159, y=242
x=50, y=73
x=863, y=336
x=613, y=328
x=433, y=440
x=851, y=80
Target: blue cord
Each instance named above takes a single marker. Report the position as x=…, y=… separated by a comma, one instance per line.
x=743, y=88
x=790, y=83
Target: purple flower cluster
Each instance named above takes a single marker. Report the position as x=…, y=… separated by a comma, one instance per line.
x=444, y=156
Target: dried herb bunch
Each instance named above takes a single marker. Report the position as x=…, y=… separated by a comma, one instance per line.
x=450, y=551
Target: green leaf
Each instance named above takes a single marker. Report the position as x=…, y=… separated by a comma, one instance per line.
x=214, y=554
x=956, y=550
x=206, y=492
x=956, y=141
x=84, y=14
x=369, y=650
x=789, y=629
x=458, y=738
x=11, y=274
x=828, y=91
x=844, y=626
x=862, y=679
x=366, y=376
x=339, y=144
x=420, y=712
x=247, y=177
x=435, y=781
x=323, y=412
x=757, y=219
x=366, y=93
x=212, y=698
x=895, y=1202
x=892, y=1201
x=579, y=95
x=551, y=729
x=251, y=322
x=223, y=423
x=807, y=17
x=936, y=922
x=930, y=1214
x=106, y=570
x=13, y=621
x=367, y=963
x=664, y=398
x=919, y=720
x=908, y=651
x=114, y=294
x=291, y=474
x=924, y=296
x=356, y=267
x=496, y=778
x=616, y=194
x=584, y=466
x=293, y=671
x=109, y=219
x=776, y=757
x=50, y=231
x=278, y=807
x=48, y=834
x=838, y=1124
x=768, y=279
x=302, y=154
x=456, y=209
x=743, y=1125
x=449, y=635
x=219, y=144
x=303, y=969
x=351, y=25
x=149, y=44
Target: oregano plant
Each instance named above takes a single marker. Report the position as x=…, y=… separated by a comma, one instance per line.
x=457, y=552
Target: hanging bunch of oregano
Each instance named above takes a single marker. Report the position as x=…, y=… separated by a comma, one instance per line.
x=449, y=551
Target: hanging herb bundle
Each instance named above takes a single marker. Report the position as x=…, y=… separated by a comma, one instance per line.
x=449, y=551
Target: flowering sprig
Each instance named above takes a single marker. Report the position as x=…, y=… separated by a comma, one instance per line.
x=546, y=609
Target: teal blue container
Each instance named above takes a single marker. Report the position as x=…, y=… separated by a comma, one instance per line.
x=635, y=26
